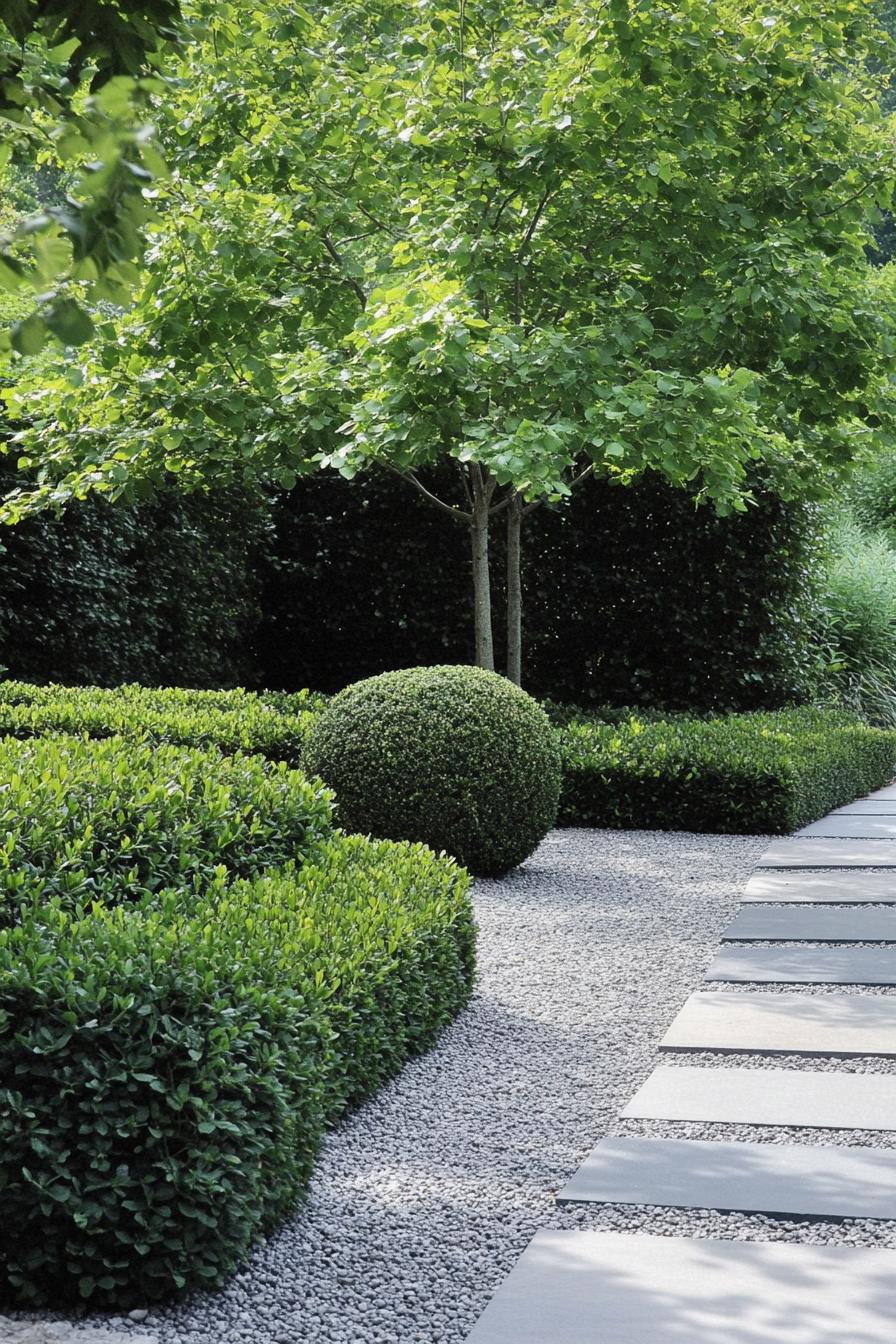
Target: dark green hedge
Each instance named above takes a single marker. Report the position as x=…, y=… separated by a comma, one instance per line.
x=632, y=595
x=275, y=726
x=161, y=592
x=743, y=774
x=168, y=1070
x=115, y=820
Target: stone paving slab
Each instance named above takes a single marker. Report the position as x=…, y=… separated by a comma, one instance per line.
x=817, y=852
x=800, y=1024
x=820, y=924
x=867, y=807
x=852, y=828
x=805, y=965
x=842, y=888
x=797, y=1180
x=886, y=794
x=607, y=1288
x=61, y=1332
x=798, y=1097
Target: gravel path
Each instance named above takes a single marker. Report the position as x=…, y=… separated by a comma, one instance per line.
x=425, y=1198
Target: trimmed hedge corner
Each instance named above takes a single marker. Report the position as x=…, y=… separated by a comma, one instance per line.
x=765, y=773
x=169, y=1068
x=455, y=757
x=113, y=821
x=275, y=726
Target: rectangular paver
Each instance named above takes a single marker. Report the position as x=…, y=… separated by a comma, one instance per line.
x=852, y=828
x=836, y=886
x=800, y=1024
x=801, y=1097
x=801, y=1180
x=794, y=923
x=606, y=1288
x=806, y=965
x=817, y=852
x=874, y=807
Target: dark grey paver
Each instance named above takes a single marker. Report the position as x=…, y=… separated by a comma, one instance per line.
x=800, y=1180
x=795, y=923
x=805, y=965
x=801, y=1024
x=806, y=1099
x=825, y=853
x=837, y=886
x=605, y=1288
x=852, y=828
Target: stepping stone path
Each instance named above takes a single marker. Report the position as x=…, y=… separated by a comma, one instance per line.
x=827, y=885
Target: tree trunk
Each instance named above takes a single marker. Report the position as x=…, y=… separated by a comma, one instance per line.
x=482, y=589
x=514, y=592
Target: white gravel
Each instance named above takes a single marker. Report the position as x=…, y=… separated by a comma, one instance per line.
x=424, y=1199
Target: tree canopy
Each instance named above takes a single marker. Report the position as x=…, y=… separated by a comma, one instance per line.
x=73, y=91
x=534, y=239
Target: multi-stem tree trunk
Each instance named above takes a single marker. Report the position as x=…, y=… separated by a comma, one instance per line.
x=514, y=592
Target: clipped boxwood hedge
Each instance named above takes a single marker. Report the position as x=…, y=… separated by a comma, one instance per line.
x=116, y=820
x=763, y=773
x=169, y=1068
x=275, y=725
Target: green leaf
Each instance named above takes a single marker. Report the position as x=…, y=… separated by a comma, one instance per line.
x=29, y=336
x=69, y=322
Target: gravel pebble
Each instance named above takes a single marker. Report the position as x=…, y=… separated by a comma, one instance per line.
x=423, y=1200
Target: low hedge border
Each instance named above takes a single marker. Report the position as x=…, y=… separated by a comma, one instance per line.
x=169, y=1069
x=275, y=726
x=763, y=773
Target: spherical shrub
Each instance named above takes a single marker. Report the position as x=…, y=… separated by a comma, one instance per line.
x=456, y=757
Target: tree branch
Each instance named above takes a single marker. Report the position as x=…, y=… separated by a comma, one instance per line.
x=459, y=515
x=349, y=279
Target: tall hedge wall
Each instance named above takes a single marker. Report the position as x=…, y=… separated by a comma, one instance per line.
x=163, y=592
x=632, y=595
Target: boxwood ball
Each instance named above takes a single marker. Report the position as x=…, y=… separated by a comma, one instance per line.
x=455, y=757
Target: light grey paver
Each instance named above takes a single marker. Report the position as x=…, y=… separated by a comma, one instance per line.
x=61, y=1332
x=822, y=853
x=821, y=924
x=867, y=807
x=605, y=1288
x=852, y=828
x=800, y=1180
x=837, y=886
x=886, y=794
x=806, y=965
x=806, y=1099
x=801, y=1024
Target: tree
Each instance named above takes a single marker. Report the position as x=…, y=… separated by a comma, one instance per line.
x=536, y=241
x=72, y=80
